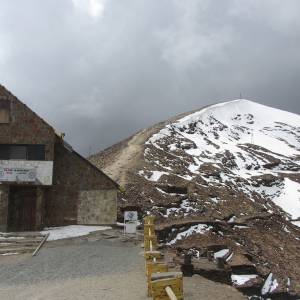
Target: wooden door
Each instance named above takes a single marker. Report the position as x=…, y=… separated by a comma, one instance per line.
x=22, y=208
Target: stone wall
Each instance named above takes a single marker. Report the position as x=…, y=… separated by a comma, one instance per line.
x=97, y=207
x=73, y=179
x=4, y=194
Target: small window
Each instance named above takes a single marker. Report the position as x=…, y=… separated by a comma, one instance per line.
x=4, y=152
x=18, y=152
x=4, y=111
x=36, y=152
x=22, y=152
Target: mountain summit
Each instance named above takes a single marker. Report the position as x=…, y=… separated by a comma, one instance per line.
x=224, y=177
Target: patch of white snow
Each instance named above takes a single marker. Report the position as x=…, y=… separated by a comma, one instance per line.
x=242, y=279
x=58, y=233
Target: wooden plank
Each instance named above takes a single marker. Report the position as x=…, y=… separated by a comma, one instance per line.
x=154, y=267
x=40, y=245
x=149, y=220
x=166, y=275
x=159, y=288
x=170, y=293
x=20, y=240
x=149, y=255
x=150, y=245
x=150, y=237
x=149, y=225
x=149, y=230
x=17, y=249
x=22, y=233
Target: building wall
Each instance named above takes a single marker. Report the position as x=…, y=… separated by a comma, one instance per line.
x=76, y=185
x=97, y=207
x=25, y=127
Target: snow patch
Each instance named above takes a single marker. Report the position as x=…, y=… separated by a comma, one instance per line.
x=156, y=175
x=297, y=223
x=196, y=229
x=270, y=285
x=58, y=233
x=185, y=207
x=289, y=199
x=242, y=279
x=221, y=253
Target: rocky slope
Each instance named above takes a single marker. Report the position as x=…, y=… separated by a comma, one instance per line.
x=225, y=178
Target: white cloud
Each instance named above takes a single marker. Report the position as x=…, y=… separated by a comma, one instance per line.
x=94, y=8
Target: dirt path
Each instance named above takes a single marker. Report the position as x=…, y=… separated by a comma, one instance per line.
x=128, y=157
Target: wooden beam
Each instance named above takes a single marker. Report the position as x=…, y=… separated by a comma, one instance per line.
x=40, y=245
x=170, y=293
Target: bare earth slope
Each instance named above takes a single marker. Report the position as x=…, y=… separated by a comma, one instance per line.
x=225, y=178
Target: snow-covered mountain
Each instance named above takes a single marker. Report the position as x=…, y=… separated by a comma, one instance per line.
x=234, y=140
x=227, y=178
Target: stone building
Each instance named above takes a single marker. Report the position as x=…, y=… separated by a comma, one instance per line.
x=43, y=181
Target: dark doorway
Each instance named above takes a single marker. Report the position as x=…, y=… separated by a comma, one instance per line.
x=22, y=208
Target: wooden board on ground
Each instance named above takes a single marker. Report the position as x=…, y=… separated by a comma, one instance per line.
x=19, y=242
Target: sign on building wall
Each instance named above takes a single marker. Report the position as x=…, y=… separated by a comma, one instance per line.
x=18, y=174
x=37, y=172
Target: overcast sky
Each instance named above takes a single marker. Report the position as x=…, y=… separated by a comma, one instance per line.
x=100, y=70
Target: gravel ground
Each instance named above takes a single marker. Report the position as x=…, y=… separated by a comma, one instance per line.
x=75, y=269
x=94, y=268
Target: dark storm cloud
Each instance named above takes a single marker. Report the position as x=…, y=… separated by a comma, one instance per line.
x=100, y=70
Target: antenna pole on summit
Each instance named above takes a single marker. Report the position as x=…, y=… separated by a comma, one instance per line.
x=241, y=96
